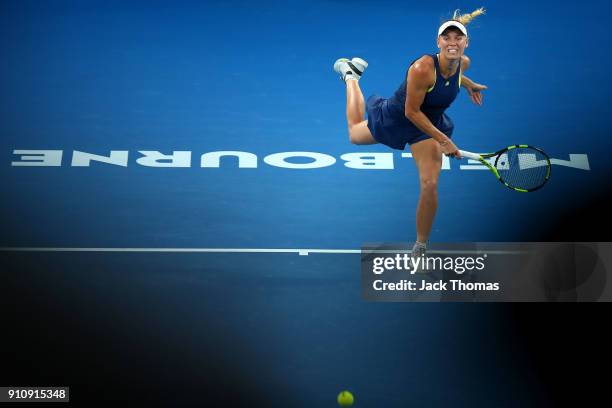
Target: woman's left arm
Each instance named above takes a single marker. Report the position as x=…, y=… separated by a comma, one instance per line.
x=473, y=89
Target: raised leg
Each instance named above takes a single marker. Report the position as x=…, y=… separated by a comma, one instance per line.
x=355, y=115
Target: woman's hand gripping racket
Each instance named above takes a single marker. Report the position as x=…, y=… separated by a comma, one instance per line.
x=522, y=168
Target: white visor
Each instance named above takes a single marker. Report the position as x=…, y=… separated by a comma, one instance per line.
x=452, y=23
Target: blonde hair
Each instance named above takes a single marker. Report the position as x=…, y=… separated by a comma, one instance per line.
x=465, y=19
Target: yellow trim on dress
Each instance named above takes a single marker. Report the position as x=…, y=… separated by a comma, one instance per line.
x=434, y=84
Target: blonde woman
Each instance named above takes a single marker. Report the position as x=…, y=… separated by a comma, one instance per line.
x=414, y=115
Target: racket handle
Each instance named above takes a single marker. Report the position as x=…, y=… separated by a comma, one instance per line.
x=469, y=155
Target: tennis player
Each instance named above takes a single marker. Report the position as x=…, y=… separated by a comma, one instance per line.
x=415, y=114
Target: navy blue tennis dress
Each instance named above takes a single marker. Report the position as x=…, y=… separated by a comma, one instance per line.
x=387, y=120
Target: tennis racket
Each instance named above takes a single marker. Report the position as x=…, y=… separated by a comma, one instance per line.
x=522, y=168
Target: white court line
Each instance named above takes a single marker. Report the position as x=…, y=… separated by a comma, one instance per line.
x=303, y=251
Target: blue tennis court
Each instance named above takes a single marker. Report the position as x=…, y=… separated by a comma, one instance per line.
x=178, y=186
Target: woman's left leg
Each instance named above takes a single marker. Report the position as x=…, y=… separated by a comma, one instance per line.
x=359, y=133
x=428, y=158
x=351, y=71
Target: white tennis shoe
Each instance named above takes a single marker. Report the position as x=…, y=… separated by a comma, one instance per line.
x=419, y=256
x=350, y=69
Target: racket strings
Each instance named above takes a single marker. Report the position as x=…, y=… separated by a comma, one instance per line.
x=523, y=168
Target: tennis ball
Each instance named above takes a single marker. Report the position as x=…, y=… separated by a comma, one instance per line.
x=345, y=399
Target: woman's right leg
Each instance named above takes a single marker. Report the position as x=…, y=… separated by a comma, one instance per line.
x=428, y=158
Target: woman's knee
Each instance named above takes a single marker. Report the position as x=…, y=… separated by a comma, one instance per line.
x=429, y=185
x=359, y=134
x=355, y=138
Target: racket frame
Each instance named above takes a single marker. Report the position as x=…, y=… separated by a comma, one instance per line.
x=482, y=158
